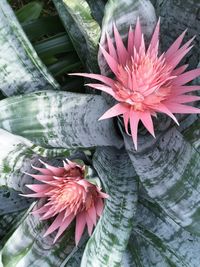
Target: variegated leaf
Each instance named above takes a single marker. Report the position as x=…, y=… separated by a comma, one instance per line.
x=9, y=222
x=109, y=240
x=83, y=30
x=158, y=241
x=17, y=155
x=124, y=14
x=59, y=119
x=169, y=170
x=97, y=9
x=21, y=71
x=27, y=247
x=176, y=16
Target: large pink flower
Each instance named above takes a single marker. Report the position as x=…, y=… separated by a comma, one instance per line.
x=146, y=82
x=67, y=195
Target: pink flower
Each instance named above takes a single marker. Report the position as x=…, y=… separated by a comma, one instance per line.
x=146, y=82
x=67, y=195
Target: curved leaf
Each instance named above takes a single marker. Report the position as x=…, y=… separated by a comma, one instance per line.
x=160, y=241
x=109, y=240
x=97, y=9
x=10, y=201
x=35, y=250
x=29, y=11
x=8, y=222
x=59, y=119
x=83, y=30
x=169, y=171
x=21, y=71
x=172, y=25
x=125, y=13
x=17, y=155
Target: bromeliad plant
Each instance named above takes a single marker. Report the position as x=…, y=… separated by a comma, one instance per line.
x=152, y=214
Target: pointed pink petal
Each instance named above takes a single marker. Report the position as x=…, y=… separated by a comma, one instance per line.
x=92, y=214
x=138, y=35
x=111, y=47
x=116, y=110
x=42, y=170
x=56, y=171
x=98, y=77
x=102, y=87
x=182, y=109
x=147, y=121
x=175, y=46
x=187, y=77
x=112, y=63
x=126, y=117
x=121, y=50
x=64, y=226
x=184, y=99
x=130, y=41
x=163, y=109
x=80, y=225
x=89, y=224
x=179, y=70
x=55, y=225
x=179, y=56
x=43, y=209
x=38, y=187
x=179, y=90
x=134, y=121
x=155, y=37
x=35, y=195
x=99, y=206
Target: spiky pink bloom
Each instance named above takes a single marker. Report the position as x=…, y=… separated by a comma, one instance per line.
x=146, y=82
x=67, y=196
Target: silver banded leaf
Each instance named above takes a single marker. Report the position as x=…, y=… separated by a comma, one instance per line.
x=169, y=171
x=109, y=240
x=125, y=13
x=97, y=9
x=82, y=29
x=160, y=241
x=59, y=119
x=10, y=201
x=7, y=223
x=27, y=247
x=176, y=16
x=17, y=155
x=21, y=70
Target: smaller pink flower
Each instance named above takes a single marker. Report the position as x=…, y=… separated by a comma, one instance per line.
x=68, y=196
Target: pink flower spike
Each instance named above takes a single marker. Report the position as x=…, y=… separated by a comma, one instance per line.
x=67, y=197
x=146, y=82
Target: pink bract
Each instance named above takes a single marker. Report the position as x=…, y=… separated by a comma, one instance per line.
x=67, y=196
x=144, y=81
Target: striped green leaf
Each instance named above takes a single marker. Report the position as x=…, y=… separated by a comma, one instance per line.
x=97, y=9
x=158, y=241
x=169, y=170
x=10, y=201
x=27, y=247
x=173, y=25
x=29, y=11
x=59, y=119
x=21, y=71
x=109, y=240
x=125, y=13
x=83, y=30
x=17, y=155
x=7, y=223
